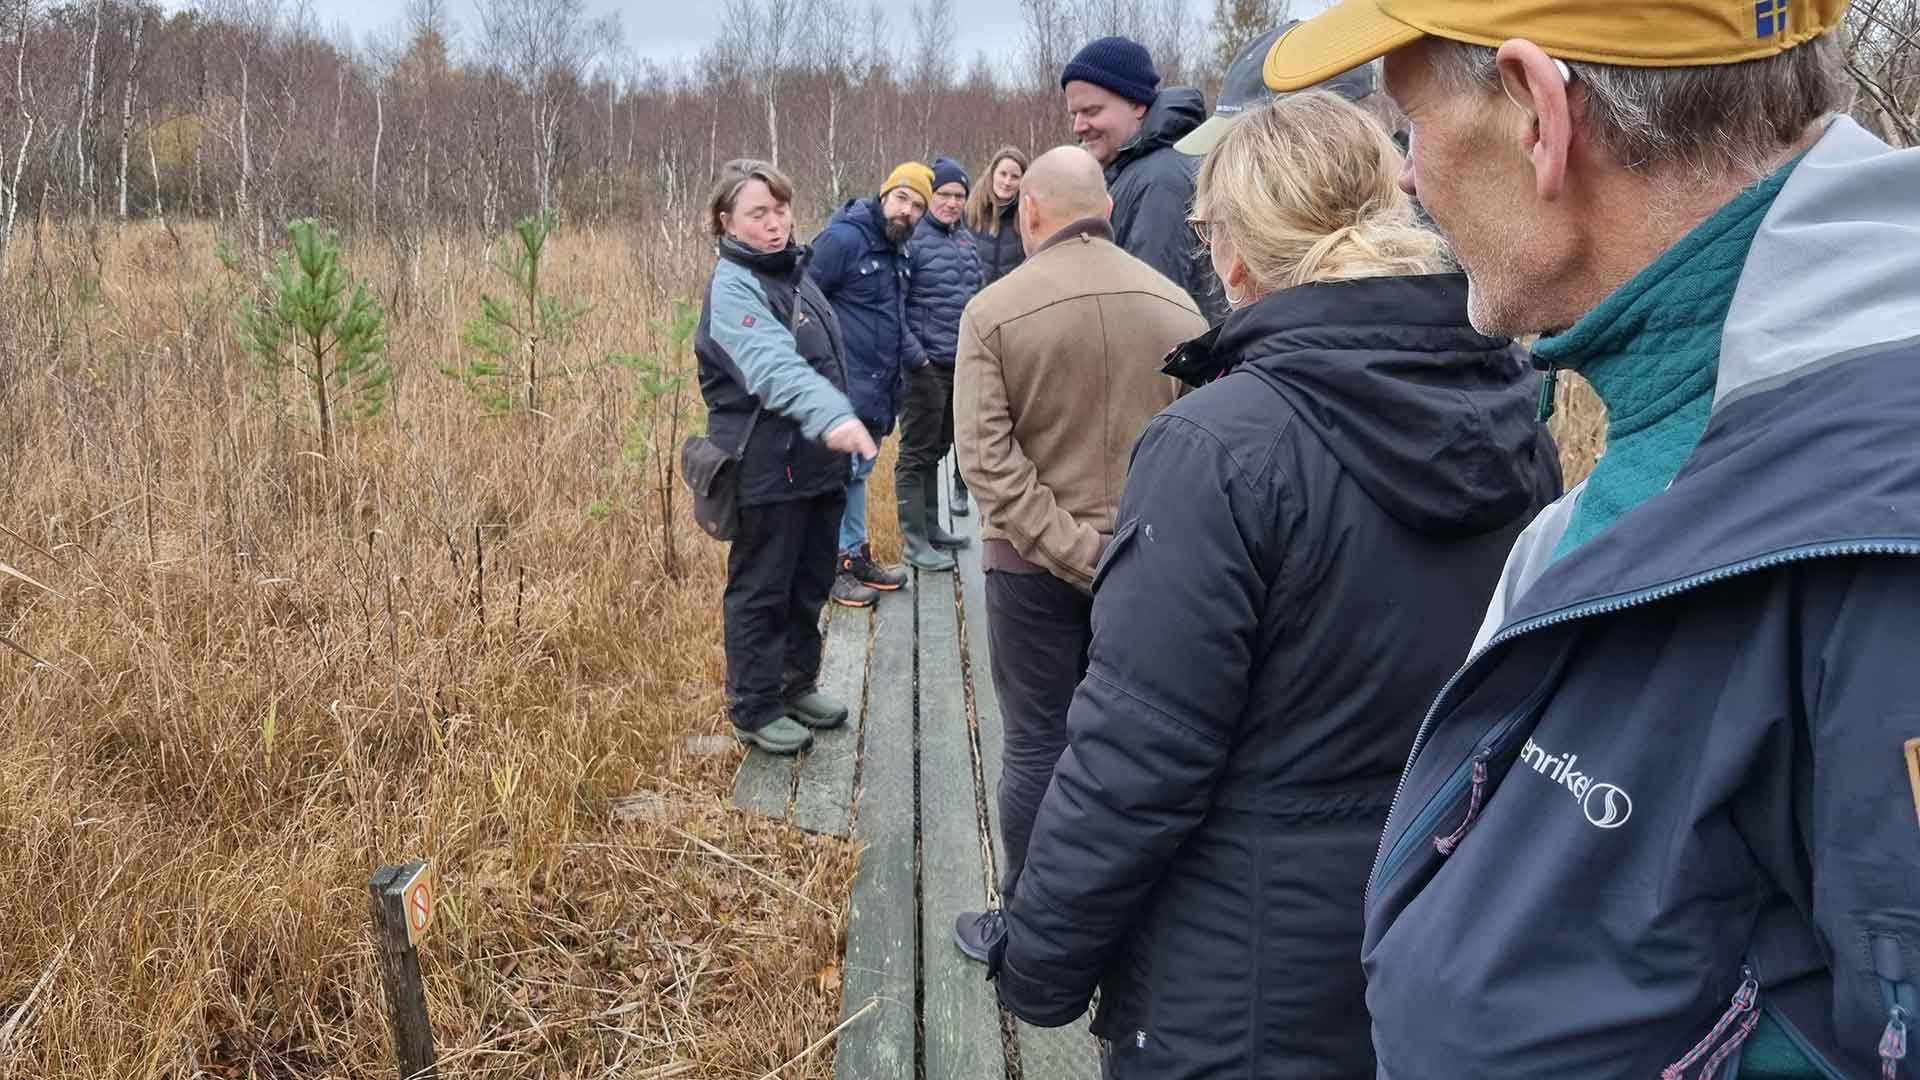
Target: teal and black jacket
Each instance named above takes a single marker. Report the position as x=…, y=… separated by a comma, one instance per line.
x=767, y=337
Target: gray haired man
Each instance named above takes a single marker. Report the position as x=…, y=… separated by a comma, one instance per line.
x=1677, y=778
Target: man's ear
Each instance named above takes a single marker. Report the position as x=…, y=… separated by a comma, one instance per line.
x=1533, y=82
x=1109, y=211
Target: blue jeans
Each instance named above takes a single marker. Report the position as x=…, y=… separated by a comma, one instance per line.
x=853, y=522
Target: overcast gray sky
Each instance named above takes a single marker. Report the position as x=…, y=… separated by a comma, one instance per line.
x=664, y=29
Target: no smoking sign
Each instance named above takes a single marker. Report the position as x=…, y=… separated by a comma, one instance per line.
x=416, y=902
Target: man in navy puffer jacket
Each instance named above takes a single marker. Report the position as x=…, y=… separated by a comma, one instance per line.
x=946, y=272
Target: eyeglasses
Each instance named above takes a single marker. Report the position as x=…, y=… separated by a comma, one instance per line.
x=1202, y=229
x=1566, y=76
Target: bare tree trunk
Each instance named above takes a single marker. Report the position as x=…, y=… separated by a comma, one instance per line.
x=835, y=167
x=379, y=135
x=137, y=34
x=82, y=186
x=773, y=120
x=243, y=197
x=26, y=141
x=153, y=163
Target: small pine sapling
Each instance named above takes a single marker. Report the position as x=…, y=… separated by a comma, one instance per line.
x=306, y=322
x=511, y=339
x=653, y=436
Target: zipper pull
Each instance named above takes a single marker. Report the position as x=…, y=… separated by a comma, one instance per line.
x=1741, y=1005
x=1445, y=844
x=1893, y=1044
x=1546, y=392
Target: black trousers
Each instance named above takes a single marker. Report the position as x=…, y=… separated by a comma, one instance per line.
x=779, y=571
x=1039, y=628
x=926, y=426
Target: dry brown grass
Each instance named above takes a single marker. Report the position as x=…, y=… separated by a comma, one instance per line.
x=1579, y=425
x=266, y=673
x=261, y=674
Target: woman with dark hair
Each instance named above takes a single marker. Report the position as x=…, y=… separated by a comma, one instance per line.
x=773, y=377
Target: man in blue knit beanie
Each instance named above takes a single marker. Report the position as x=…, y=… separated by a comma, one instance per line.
x=1129, y=125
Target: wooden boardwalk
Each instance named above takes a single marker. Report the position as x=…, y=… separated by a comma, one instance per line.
x=911, y=777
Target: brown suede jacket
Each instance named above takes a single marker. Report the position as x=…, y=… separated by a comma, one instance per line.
x=1058, y=373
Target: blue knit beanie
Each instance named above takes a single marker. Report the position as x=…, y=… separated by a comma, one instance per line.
x=1122, y=65
x=946, y=171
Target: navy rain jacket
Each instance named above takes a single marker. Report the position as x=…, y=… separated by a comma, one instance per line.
x=865, y=278
x=1691, y=736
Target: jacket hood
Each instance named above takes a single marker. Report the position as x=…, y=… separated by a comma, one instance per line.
x=1173, y=114
x=1435, y=421
x=864, y=214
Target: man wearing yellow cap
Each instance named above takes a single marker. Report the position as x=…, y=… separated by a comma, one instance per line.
x=1666, y=819
x=859, y=261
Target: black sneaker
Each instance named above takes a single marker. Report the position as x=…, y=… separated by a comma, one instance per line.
x=977, y=932
x=848, y=592
x=860, y=566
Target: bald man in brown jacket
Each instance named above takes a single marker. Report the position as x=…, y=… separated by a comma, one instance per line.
x=1058, y=372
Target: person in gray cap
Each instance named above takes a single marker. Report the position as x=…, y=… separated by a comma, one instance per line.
x=1245, y=89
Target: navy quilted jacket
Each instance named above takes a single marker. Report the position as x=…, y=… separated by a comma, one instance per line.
x=946, y=274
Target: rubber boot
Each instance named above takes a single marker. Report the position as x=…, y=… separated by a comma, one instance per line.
x=816, y=710
x=960, y=505
x=910, y=488
x=940, y=537
x=782, y=735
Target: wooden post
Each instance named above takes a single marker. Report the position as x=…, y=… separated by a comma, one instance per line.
x=400, y=971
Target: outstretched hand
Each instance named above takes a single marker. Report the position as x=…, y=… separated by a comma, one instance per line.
x=852, y=437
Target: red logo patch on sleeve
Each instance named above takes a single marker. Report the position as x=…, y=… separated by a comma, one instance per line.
x=748, y=321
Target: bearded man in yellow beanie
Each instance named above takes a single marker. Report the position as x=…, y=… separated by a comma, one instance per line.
x=859, y=261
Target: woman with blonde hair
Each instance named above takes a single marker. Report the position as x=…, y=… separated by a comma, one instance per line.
x=1305, y=547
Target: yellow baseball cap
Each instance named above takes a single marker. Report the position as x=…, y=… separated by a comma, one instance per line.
x=1628, y=33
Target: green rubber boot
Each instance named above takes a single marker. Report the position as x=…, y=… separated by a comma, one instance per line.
x=816, y=710
x=910, y=489
x=941, y=538
x=782, y=736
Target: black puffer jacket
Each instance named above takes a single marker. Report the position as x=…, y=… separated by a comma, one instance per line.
x=1001, y=251
x=1152, y=188
x=1304, y=549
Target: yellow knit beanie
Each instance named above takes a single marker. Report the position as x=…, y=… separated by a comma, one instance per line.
x=913, y=176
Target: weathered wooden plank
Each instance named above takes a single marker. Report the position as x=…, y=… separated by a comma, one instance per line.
x=962, y=1017
x=986, y=703
x=764, y=783
x=823, y=802
x=882, y=947
x=1065, y=1053
x=1062, y=1053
